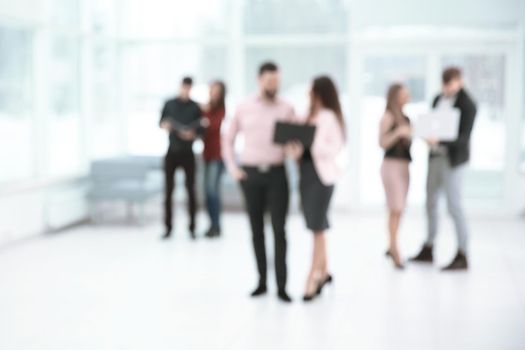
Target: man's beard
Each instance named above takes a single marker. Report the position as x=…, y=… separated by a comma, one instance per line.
x=270, y=94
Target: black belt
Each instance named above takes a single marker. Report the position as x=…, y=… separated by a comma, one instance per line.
x=263, y=168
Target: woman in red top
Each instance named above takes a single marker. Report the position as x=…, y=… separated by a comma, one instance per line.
x=214, y=112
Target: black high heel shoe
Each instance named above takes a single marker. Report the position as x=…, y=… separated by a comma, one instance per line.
x=315, y=292
x=310, y=297
x=327, y=280
x=397, y=265
x=320, y=285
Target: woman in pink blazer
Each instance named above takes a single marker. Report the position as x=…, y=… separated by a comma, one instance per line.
x=319, y=173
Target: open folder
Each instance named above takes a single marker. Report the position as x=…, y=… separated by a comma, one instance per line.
x=175, y=125
x=288, y=132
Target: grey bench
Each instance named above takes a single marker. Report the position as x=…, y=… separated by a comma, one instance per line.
x=126, y=179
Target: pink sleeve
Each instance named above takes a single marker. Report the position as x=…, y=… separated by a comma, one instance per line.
x=228, y=142
x=329, y=137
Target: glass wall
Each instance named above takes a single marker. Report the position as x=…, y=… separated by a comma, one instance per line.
x=104, y=119
x=63, y=123
x=16, y=104
x=281, y=17
x=161, y=19
x=57, y=78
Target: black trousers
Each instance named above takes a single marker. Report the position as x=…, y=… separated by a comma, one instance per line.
x=173, y=160
x=268, y=191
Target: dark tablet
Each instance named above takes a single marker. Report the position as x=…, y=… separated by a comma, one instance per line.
x=287, y=132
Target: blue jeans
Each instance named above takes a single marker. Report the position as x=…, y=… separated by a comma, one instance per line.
x=212, y=185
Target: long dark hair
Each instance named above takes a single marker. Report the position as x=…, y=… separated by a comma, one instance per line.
x=392, y=103
x=220, y=103
x=325, y=90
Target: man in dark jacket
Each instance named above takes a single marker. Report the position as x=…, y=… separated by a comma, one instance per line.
x=181, y=118
x=446, y=167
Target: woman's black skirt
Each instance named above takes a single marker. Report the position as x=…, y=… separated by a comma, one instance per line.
x=315, y=197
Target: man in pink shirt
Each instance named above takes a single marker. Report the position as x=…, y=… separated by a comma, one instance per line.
x=261, y=171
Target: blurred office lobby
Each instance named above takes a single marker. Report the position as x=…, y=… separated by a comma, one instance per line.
x=82, y=265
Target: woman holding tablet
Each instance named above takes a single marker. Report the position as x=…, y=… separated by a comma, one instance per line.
x=395, y=139
x=319, y=173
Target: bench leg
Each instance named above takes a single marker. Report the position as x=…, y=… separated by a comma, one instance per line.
x=142, y=214
x=93, y=212
x=129, y=211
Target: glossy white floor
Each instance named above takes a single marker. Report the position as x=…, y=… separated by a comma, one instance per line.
x=120, y=287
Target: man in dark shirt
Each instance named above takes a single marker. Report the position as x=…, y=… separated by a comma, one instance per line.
x=446, y=167
x=181, y=118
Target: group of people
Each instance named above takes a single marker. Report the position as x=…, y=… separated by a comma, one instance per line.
x=185, y=121
x=259, y=169
x=446, y=166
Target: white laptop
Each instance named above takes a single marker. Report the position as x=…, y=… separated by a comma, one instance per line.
x=441, y=124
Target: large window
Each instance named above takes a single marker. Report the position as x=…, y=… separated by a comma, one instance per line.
x=16, y=104
x=43, y=94
x=103, y=18
x=104, y=121
x=173, y=19
x=295, y=16
x=64, y=124
x=65, y=14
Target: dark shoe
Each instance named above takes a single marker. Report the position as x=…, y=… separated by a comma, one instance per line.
x=424, y=256
x=397, y=264
x=209, y=233
x=328, y=279
x=260, y=290
x=283, y=296
x=309, y=297
x=459, y=263
x=319, y=289
x=166, y=235
x=213, y=233
x=191, y=228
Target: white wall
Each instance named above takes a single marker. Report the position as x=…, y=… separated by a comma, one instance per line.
x=32, y=211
